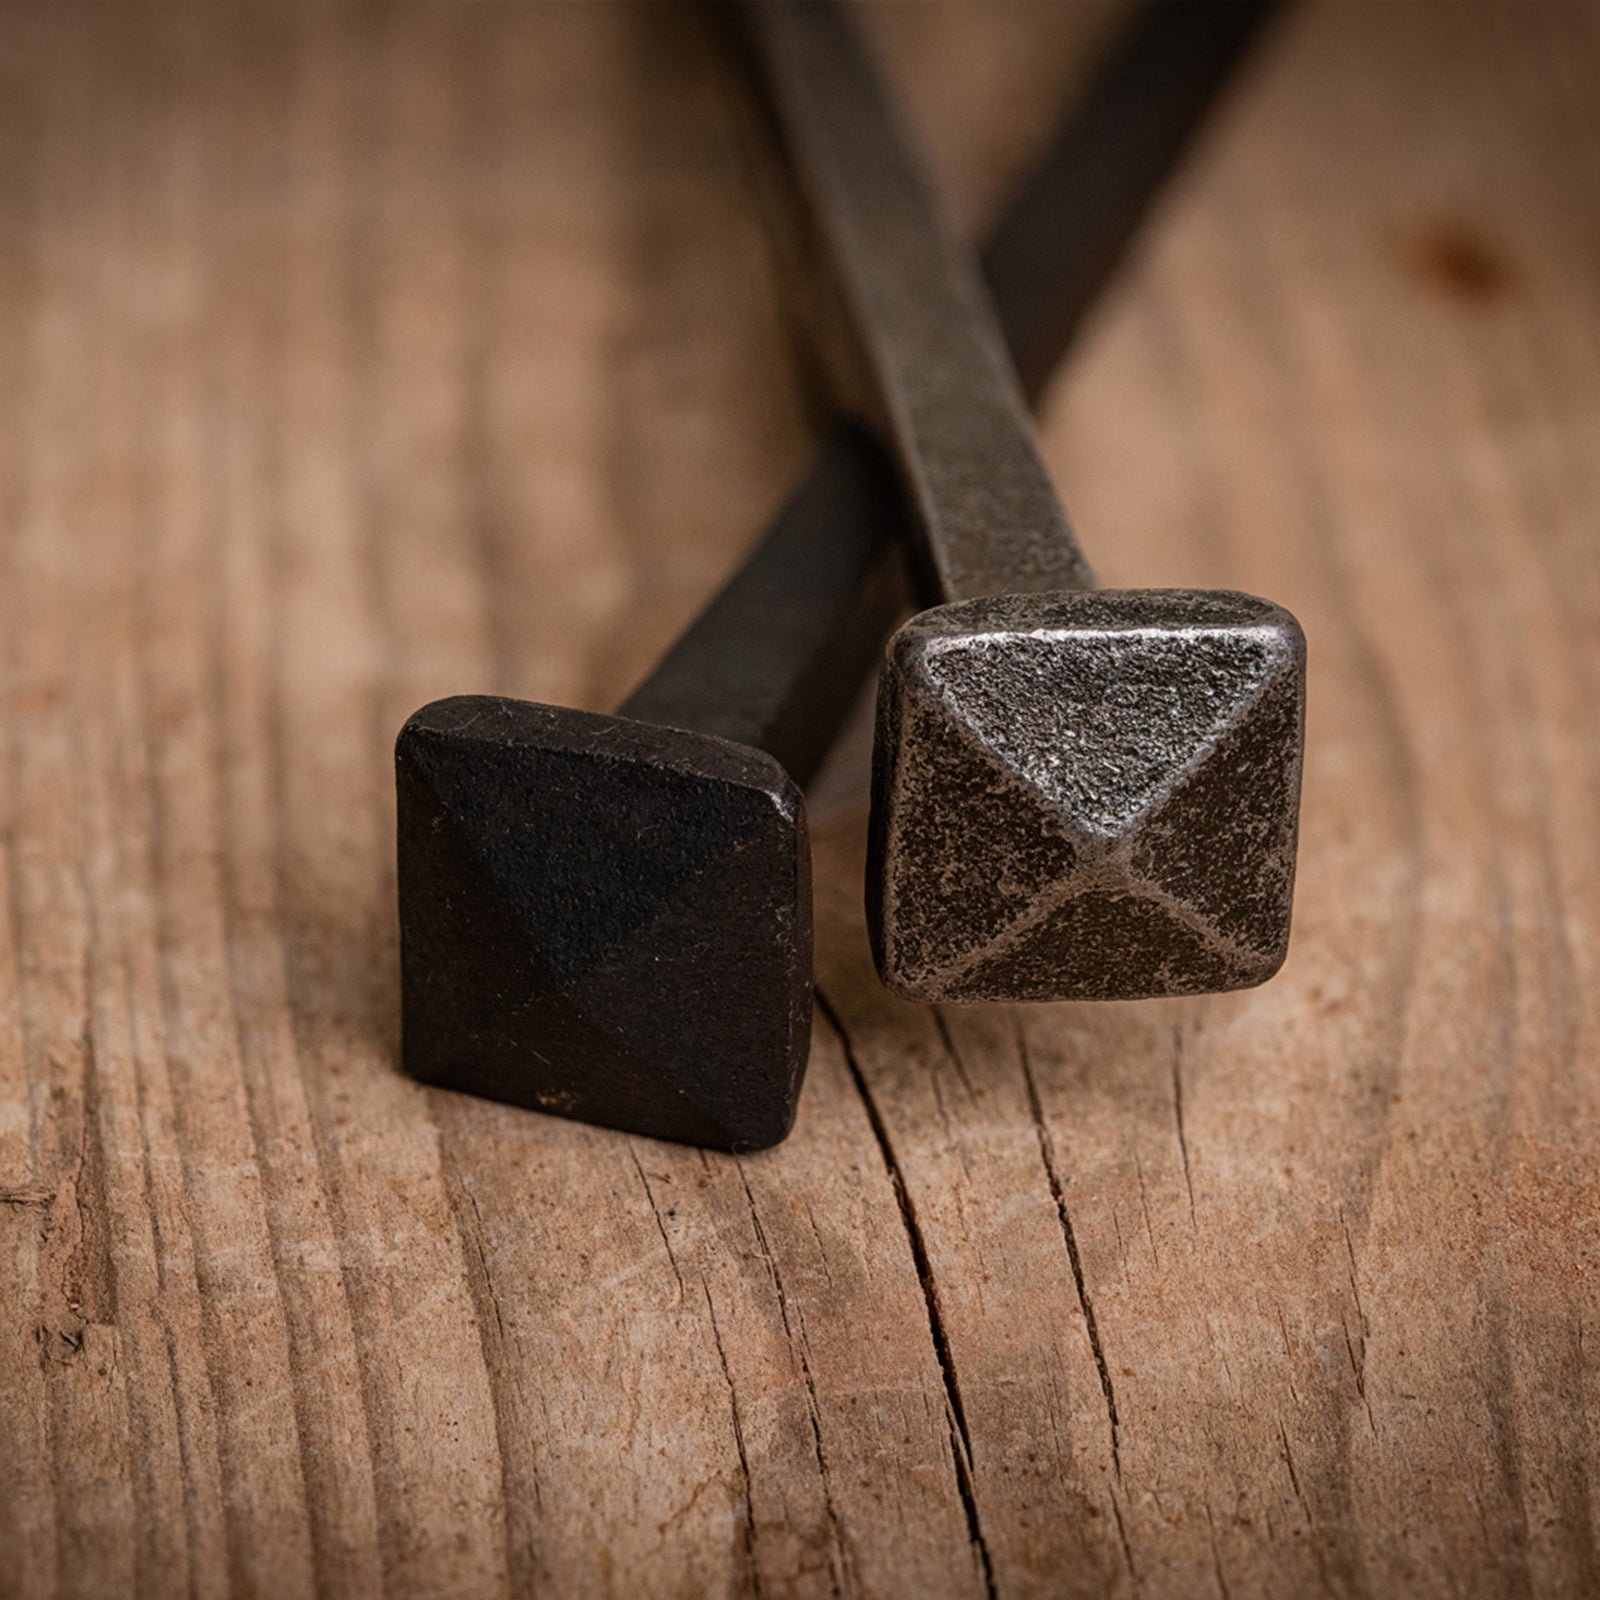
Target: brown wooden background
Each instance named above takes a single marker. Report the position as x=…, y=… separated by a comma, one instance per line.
x=354, y=357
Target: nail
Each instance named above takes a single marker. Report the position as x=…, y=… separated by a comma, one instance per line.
x=609, y=917
x=1077, y=795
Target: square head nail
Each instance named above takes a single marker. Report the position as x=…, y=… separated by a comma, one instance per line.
x=1087, y=796
x=603, y=918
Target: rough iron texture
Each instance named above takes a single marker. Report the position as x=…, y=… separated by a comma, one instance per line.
x=568, y=883
x=930, y=366
x=610, y=917
x=1087, y=796
x=279, y=1321
x=1084, y=201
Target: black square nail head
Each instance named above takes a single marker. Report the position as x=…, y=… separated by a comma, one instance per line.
x=603, y=919
x=1086, y=796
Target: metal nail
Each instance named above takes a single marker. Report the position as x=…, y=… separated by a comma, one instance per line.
x=609, y=917
x=1078, y=794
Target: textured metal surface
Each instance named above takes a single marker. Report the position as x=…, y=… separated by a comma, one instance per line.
x=1085, y=198
x=777, y=659
x=1092, y=794
x=937, y=379
x=1071, y=791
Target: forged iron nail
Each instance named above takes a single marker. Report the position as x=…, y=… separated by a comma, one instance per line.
x=558, y=949
x=609, y=917
x=1077, y=795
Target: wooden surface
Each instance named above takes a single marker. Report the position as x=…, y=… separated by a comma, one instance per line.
x=356, y=357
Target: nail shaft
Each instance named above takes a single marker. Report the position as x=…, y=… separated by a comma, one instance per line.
x=946, y=396
x=778, y=657
x=1080, y=207
x=609, y=918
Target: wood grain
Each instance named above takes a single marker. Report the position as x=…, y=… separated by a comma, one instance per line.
x=357, y=356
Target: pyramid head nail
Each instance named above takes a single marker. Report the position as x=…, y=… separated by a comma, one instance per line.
x=609, y=917
x=1078, y=794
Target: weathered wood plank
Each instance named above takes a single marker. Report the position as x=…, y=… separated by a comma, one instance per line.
x=359, y=356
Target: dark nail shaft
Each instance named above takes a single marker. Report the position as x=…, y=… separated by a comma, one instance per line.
x=1075, y=216
x=777, y=659
x=937, y=376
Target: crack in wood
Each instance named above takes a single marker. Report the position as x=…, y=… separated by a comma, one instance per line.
x=661, y=1225
x=481, y=1289
x=838, y=1555
x=749, y=1540
x=1122, y=1539
x=960, y=1442
x=1177, y=1113
x=1085, y=1303
x=1216, y=1555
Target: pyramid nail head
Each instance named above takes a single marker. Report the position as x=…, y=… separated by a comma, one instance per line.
x=1087, y=796
x=603, y=919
